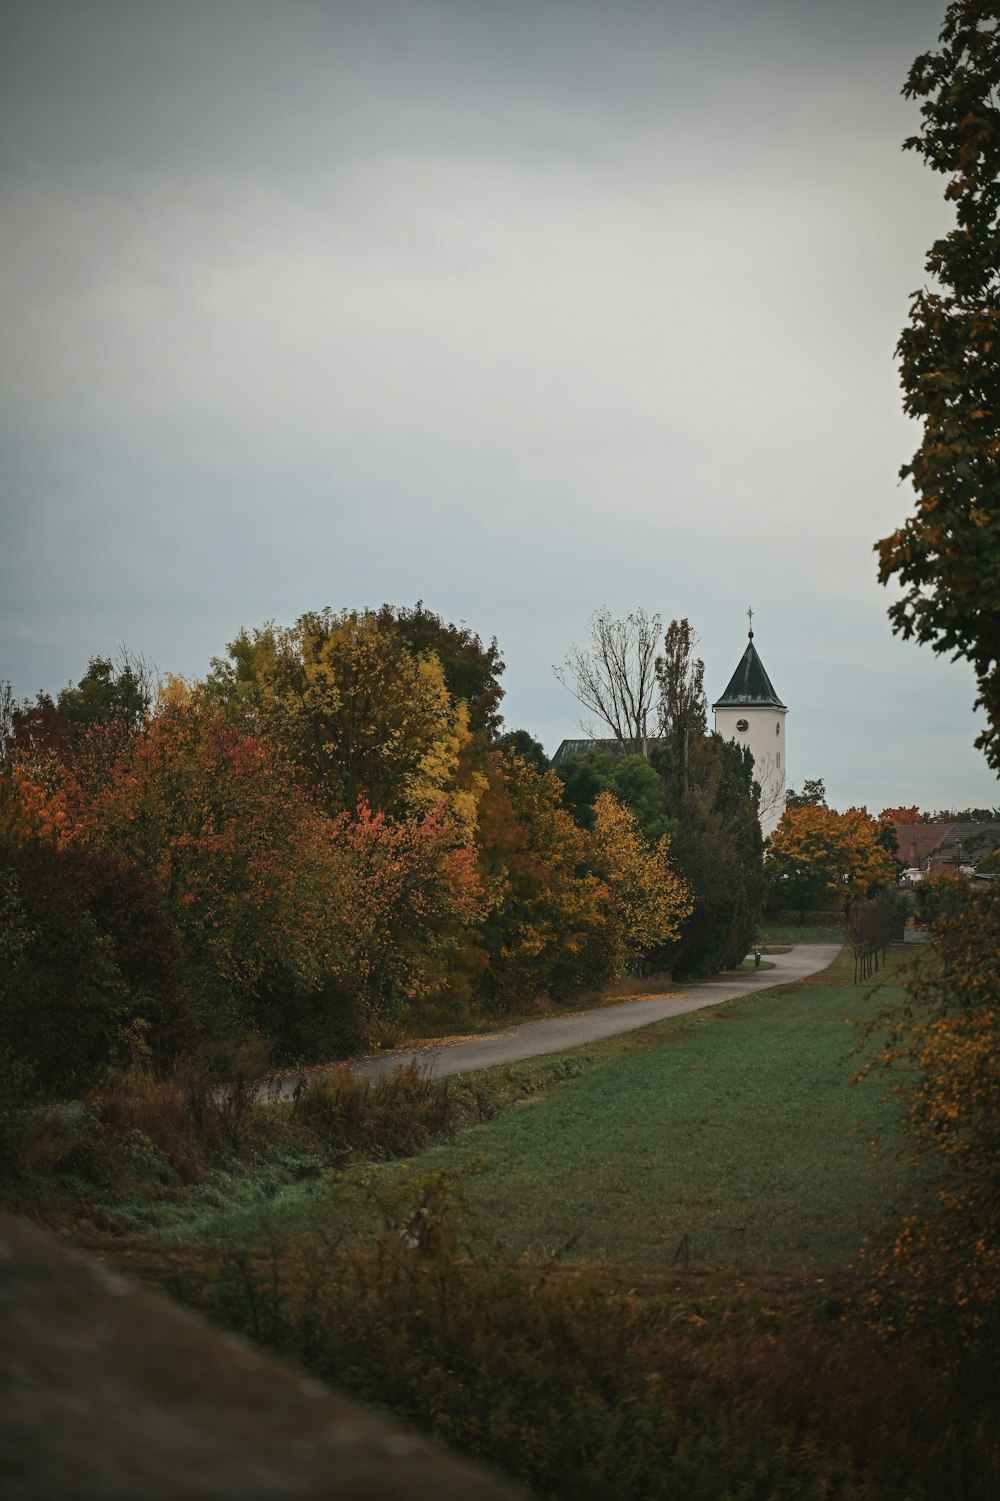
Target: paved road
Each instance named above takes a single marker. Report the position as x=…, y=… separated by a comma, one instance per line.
x=555, y=1034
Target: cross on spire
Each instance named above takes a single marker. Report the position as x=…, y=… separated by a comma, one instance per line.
x=750, y=618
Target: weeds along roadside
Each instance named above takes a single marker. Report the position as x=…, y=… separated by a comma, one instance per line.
x=142, y=1144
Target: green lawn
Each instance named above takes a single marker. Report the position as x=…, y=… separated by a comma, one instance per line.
x=729, y=1138
x=733, y=1137
x=782, y=933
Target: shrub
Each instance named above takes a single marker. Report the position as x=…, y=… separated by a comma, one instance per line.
x=941, y=1049
x=393, y=1115
x=575, y=1381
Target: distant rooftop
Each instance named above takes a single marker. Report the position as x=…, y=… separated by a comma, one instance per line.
x=570, y=748
x=750, y=684
x=944, y=842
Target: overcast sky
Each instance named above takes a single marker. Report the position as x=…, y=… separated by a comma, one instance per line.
x=517, y=308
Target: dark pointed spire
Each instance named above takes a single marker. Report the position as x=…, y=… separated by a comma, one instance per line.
x=750, y=684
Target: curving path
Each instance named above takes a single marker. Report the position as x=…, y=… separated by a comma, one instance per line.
x=555, y=1034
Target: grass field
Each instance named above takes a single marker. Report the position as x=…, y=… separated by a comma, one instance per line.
x=783, y=933
x=729, y=1137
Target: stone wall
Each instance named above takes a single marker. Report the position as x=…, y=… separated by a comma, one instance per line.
x=110, y=1391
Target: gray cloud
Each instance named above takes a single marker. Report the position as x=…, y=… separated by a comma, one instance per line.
x=519, y=309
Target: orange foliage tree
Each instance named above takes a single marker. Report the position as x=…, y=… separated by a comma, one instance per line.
x=281, y=910
x=940, y=1049
x=404, y=894
x=33, y=803
x=209, y=812
x=816, y=852
x=546, y=933
x=910, y=814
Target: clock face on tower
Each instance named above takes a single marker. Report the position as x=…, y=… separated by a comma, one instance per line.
x=742, y=725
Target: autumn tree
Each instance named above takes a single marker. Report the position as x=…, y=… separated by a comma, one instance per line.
x=614, y=676
x=545, y=934
x=358, y=711
x=317, y=933
x=212, y=815
x=938, y=1048
x=37, y=726
x=946, y=556
x=910, y=814
x=471, y=670
x=404, y=895
x=818, y=853
x=946, y=559
x=33, y=802
x=645, y=900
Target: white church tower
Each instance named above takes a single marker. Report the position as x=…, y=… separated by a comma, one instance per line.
x=752, y=714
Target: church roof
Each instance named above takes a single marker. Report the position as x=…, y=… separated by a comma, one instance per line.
x=570, y=748
x=750, y=684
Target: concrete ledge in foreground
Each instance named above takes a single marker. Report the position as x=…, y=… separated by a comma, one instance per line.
x=110, y=1391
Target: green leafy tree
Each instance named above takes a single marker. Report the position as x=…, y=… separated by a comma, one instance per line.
x=236, y=681
x=119, y=689
x=683, y=707
x=89, y=965
x=813, y=795
x=521, y=743
x=717, y=848
x=946, y=557
x=631, y=779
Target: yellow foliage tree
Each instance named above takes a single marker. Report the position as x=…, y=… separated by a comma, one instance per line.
x=360, y=712
x=645, y=900
x=172, y=690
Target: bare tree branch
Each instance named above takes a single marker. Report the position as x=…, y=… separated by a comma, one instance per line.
x=615, y=676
